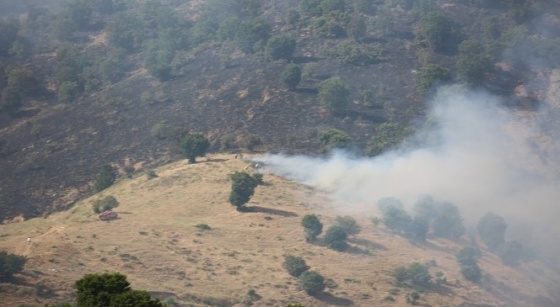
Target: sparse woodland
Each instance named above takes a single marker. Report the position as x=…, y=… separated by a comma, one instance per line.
x=97, y=95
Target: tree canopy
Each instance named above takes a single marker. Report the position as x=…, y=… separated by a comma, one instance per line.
x=194, y=145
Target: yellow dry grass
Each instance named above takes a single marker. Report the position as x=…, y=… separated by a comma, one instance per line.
x=156, y=243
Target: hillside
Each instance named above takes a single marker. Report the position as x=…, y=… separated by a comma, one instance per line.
x=88, y=83
x=157, y=244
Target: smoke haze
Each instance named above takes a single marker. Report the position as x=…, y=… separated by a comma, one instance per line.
x=479, y=156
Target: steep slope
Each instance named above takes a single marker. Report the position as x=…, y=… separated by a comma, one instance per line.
x=159, y=244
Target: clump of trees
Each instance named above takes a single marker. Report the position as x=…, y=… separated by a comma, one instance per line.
x=242, y=188
x=387, y=136
x=103, y=204
x=10, y=264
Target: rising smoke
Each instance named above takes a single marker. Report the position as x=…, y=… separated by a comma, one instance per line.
x=480, y=156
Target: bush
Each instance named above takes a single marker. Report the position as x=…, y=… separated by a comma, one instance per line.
x=334, y=95
x=416, y=272
x=312, y=282
x=431, y=75
x=350, y=52
x=294, y=265
x=396, y=219
x=387, y=136
x=412, y=297
x=106, y=203
x=291, y=76
x=348, y=224
x=335, y=237
x=439, y=32
x=10, y=100
x=468, y=261
x=471, y=272
x=313, y=226
x=511, y=253
x=334, y=138
x=194, y=145
x=357, y=27
x=448, y=222
x=105, y=178
x=252, y=35
x=491, y=229
x=473, y=63
x=280, y=47
x=10, y=264
x=242, y=188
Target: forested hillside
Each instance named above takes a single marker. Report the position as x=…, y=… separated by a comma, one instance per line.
x=121, y=82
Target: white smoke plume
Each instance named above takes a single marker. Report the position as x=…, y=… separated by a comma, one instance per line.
x=484, y=161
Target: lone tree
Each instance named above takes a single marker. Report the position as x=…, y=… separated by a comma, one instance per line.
x=313, y=227
x=312, y=282
x=10, y=264
x=105, y=178
x=194, y=145
x=335, y=237
x=106, y=203
x=242, y=188
x=280, y=47
x=491, y=229
x=468, y=260
x=348, y=224
x=294, y=265
x=111, y=290
x=291, y=76
x=334, y=94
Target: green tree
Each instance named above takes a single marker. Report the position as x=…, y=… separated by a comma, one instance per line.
x=439, y=32
x=242, y=188
x=106, y=203
x=396, y=219
x=492, y=229
x=334, y=95
x=310, y=7
x=334, y=138
x=294, y=265
x=431, y=75
x=511, y=253
x=312, y=282
x=416, y=272
x=387, y=136
x=280, y=47
x=10, y=100
x=468, y=261
x=105, y=178
x=157, y=59
x=356, y=27
x=473, y=63
x=10, y=264
x=111, y=290
x=348, y=224
x=194, y=145
x=291, y=76
x=335, y=237
x=313, y=226
x=68, y=91
x=448, y=222
x=253, y=35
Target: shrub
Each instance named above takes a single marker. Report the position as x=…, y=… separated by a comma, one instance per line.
x=348, y=224
x=334, y=95
x=252, y=35
x=431, y=75
x=334, y=138
x=310, y=7
x=313, y=226
x=511, y=253
x=10, y=264
x=258, y=177
x=412, y=297
x=335, y=237
x=357, y=27
x=203, y=227
x=105, y=178
x=439, y=32
x=448, y=222
x=350, y=52
x=468, y=261
x=328, y=27
x=312, y=282
x=471, y=272
x=416, y=272
x=151, y=174
x=491, y=229
x=194, y=145
x=291, y=76
x=280, y=47
x=106, y=203
x=242, y=188
x=294, y=265
x=396, y=219
x=473, y=63
x=10, y=100
x=387, y=136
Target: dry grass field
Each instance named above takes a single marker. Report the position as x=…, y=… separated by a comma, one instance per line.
x=157, y=244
